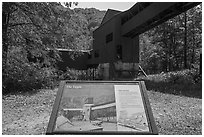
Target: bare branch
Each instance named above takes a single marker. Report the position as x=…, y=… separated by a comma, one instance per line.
x=19, y=24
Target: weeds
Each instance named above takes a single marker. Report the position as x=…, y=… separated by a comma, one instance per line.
x=186, y=82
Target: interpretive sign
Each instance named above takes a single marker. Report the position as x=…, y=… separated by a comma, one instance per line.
x=130, y=109
x=101, y=107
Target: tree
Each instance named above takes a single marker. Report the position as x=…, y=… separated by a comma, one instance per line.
x=177, y=42
x=31, y=33
x=35, y=29
x=185, y=41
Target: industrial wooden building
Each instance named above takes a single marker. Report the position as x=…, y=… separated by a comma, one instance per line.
x=116, y=40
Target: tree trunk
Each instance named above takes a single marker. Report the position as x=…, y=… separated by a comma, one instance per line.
x=185, y=42
x=175, y=63
x=166, y=46
x=200, y=72
x=193, y=45
x=5, y=21
x=170, y=60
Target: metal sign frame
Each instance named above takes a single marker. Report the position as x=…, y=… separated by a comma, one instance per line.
x=147, y=107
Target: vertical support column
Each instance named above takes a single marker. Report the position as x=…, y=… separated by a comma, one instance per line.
x=136, y=49
x=93, y=73
x=106, y=71
x=135, y=55
x=87, y=112
x=110, y=77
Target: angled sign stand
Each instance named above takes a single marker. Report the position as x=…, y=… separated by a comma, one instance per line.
x=102, y=107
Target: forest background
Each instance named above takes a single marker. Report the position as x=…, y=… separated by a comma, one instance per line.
x=32, y=31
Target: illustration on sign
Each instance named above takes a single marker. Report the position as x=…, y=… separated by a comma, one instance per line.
x=101, y=107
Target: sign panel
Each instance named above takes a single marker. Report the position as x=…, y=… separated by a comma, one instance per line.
x=101, y=108
x=130, y=109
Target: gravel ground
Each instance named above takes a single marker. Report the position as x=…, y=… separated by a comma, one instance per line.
x=26, y=114
x=176, y=115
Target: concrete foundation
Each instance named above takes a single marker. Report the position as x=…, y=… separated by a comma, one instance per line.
x=118, y=70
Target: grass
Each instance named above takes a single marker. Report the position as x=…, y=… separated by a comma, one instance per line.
x=25, y=114
x=184, y=83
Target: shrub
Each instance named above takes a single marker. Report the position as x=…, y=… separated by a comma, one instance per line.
x=72, y=74
x=177, y=77
x=185, y=82
x=22, y=75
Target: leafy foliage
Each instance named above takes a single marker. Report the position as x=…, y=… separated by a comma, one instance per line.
x=185, y=82
x=22, y=75
x=166, y=47
x=31, y=33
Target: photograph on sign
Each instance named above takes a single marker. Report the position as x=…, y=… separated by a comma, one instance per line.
x=101, y=107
